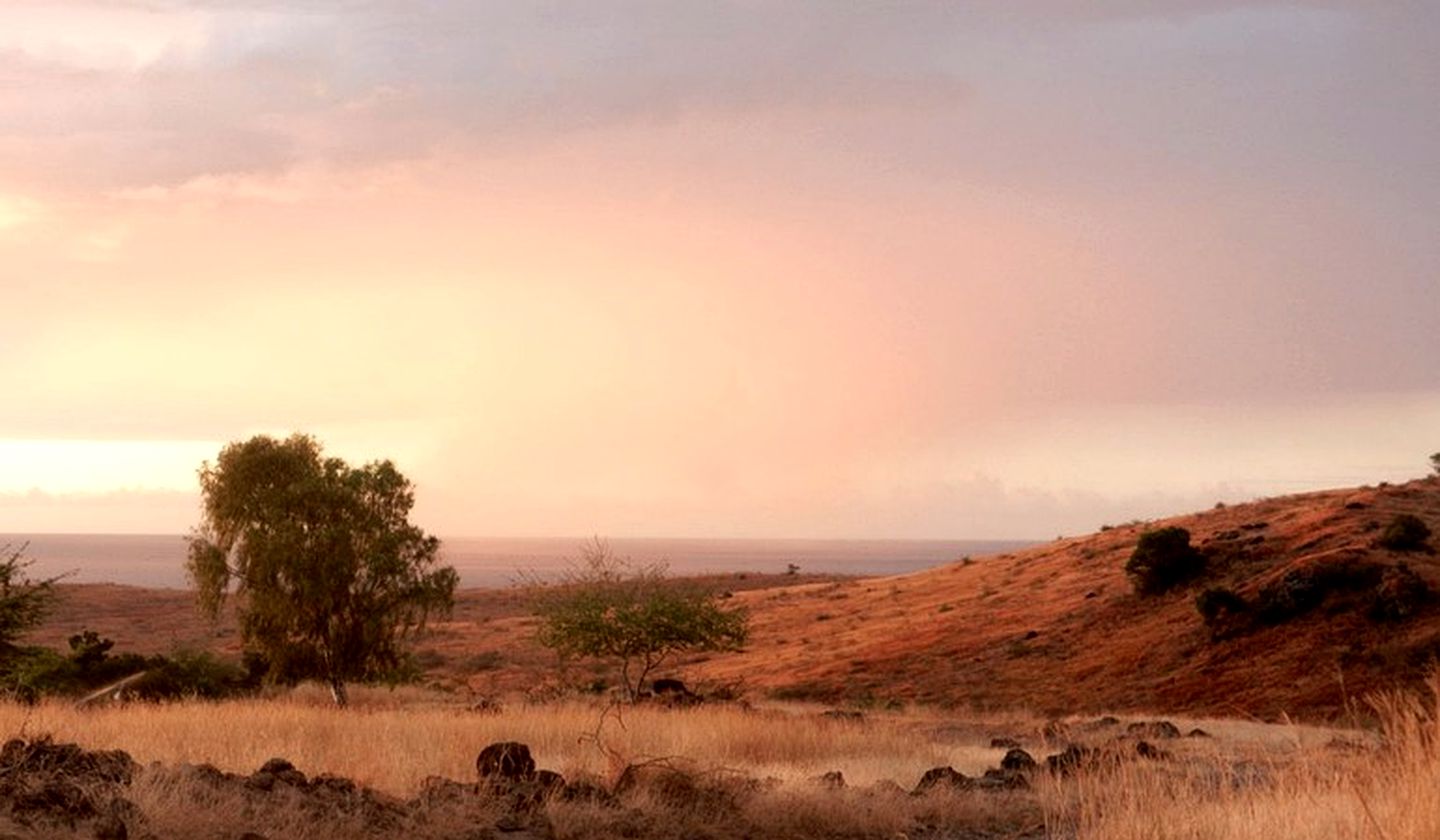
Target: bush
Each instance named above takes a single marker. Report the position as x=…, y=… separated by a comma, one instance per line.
x=1303, y=589
x=1400, y=594
x=1405, y=532
x=37, y=672
x=608, y=608
x=1223, y=611
x=192, y=674
x=1163, y=559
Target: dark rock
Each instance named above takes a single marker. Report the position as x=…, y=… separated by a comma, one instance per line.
x=1004, y=744
x=276, y=766
x=206, y=774
x=549, y=782
x=680, y=788
x=944, y=778
x=70, y=760
x=278, y=770
x=1031, y=634
x=833, y=780
x=1091, y=594
x=1070, y=759
x=1017, y=761
x=584, y=790
x=668, y=686
x=505, y=760
x=337, y=785
x=1145, y=749
x=1153, y=729
x=436, y=789
x=1197, y=732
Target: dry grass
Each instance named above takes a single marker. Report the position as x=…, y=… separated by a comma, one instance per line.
x=392, y=740
x=960, y=635
x=1250, y=781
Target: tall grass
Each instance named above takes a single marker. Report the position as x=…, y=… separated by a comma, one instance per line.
x=1252, y=781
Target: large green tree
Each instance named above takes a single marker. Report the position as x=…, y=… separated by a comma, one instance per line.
x=330, y=579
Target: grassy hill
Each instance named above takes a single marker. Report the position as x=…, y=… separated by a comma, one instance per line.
x=1053, y=629
x=1058, y=628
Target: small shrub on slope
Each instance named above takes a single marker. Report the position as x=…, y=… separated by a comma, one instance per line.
x=1224, y=612
x=1405, y=532
x=1163, y=559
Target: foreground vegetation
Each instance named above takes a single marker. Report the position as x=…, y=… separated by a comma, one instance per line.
x=1249, y=780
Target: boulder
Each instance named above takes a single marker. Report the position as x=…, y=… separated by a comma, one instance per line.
x=943, y=778
x=1153, y=729
x=505, y=761
x=1017, y=761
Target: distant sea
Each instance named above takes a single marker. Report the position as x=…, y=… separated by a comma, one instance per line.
x=158, y=560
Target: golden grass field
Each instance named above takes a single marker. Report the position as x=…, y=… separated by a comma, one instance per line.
x=1251, y=780
x=941, y=660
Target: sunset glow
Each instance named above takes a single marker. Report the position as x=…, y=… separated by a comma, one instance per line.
x=778, y=270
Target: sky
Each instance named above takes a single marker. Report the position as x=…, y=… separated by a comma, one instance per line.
x=733, y=269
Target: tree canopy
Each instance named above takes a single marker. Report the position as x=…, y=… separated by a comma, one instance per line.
x=607, y=608
x=329, y=577
x=24, y=601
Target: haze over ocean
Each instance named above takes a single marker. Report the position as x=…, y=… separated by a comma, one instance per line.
x=158, y=560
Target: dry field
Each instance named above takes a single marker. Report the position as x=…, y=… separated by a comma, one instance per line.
x=1054, y=629
x=1250, y=780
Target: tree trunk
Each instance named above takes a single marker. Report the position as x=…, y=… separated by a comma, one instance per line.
x=337, y=691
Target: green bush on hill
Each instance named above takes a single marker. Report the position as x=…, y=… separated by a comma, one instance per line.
x=1162, y=560
x=1406, y=532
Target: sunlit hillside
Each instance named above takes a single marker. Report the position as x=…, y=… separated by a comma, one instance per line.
x=1053, y=630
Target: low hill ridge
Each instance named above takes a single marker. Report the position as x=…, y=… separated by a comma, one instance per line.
x=1057, y=628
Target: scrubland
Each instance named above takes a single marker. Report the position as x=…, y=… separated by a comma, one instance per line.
x=1248, y=780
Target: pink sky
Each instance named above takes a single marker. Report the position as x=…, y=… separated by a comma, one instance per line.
x=640, y=269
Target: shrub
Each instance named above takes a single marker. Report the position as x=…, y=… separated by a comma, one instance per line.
x=609, y=608
x=1223, y=611
x=186, y=674
x=1405, y=532
x=1300, y=590
x=1400, y=594
x=1163, y=559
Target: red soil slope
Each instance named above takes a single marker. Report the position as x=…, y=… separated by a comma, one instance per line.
x=1058, y=629
x=1054, y=629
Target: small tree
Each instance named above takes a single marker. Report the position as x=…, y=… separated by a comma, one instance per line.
x=1162, y=560
x=330, y=577
x=1435, y=463
x=23, y=602
x=607, y=608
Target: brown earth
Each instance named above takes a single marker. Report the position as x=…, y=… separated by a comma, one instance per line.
x=1056, y=628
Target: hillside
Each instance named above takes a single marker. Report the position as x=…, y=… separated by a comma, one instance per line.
x=1057, y=628
x=1054, y=629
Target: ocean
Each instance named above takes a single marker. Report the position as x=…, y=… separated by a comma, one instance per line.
x=159, y=560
